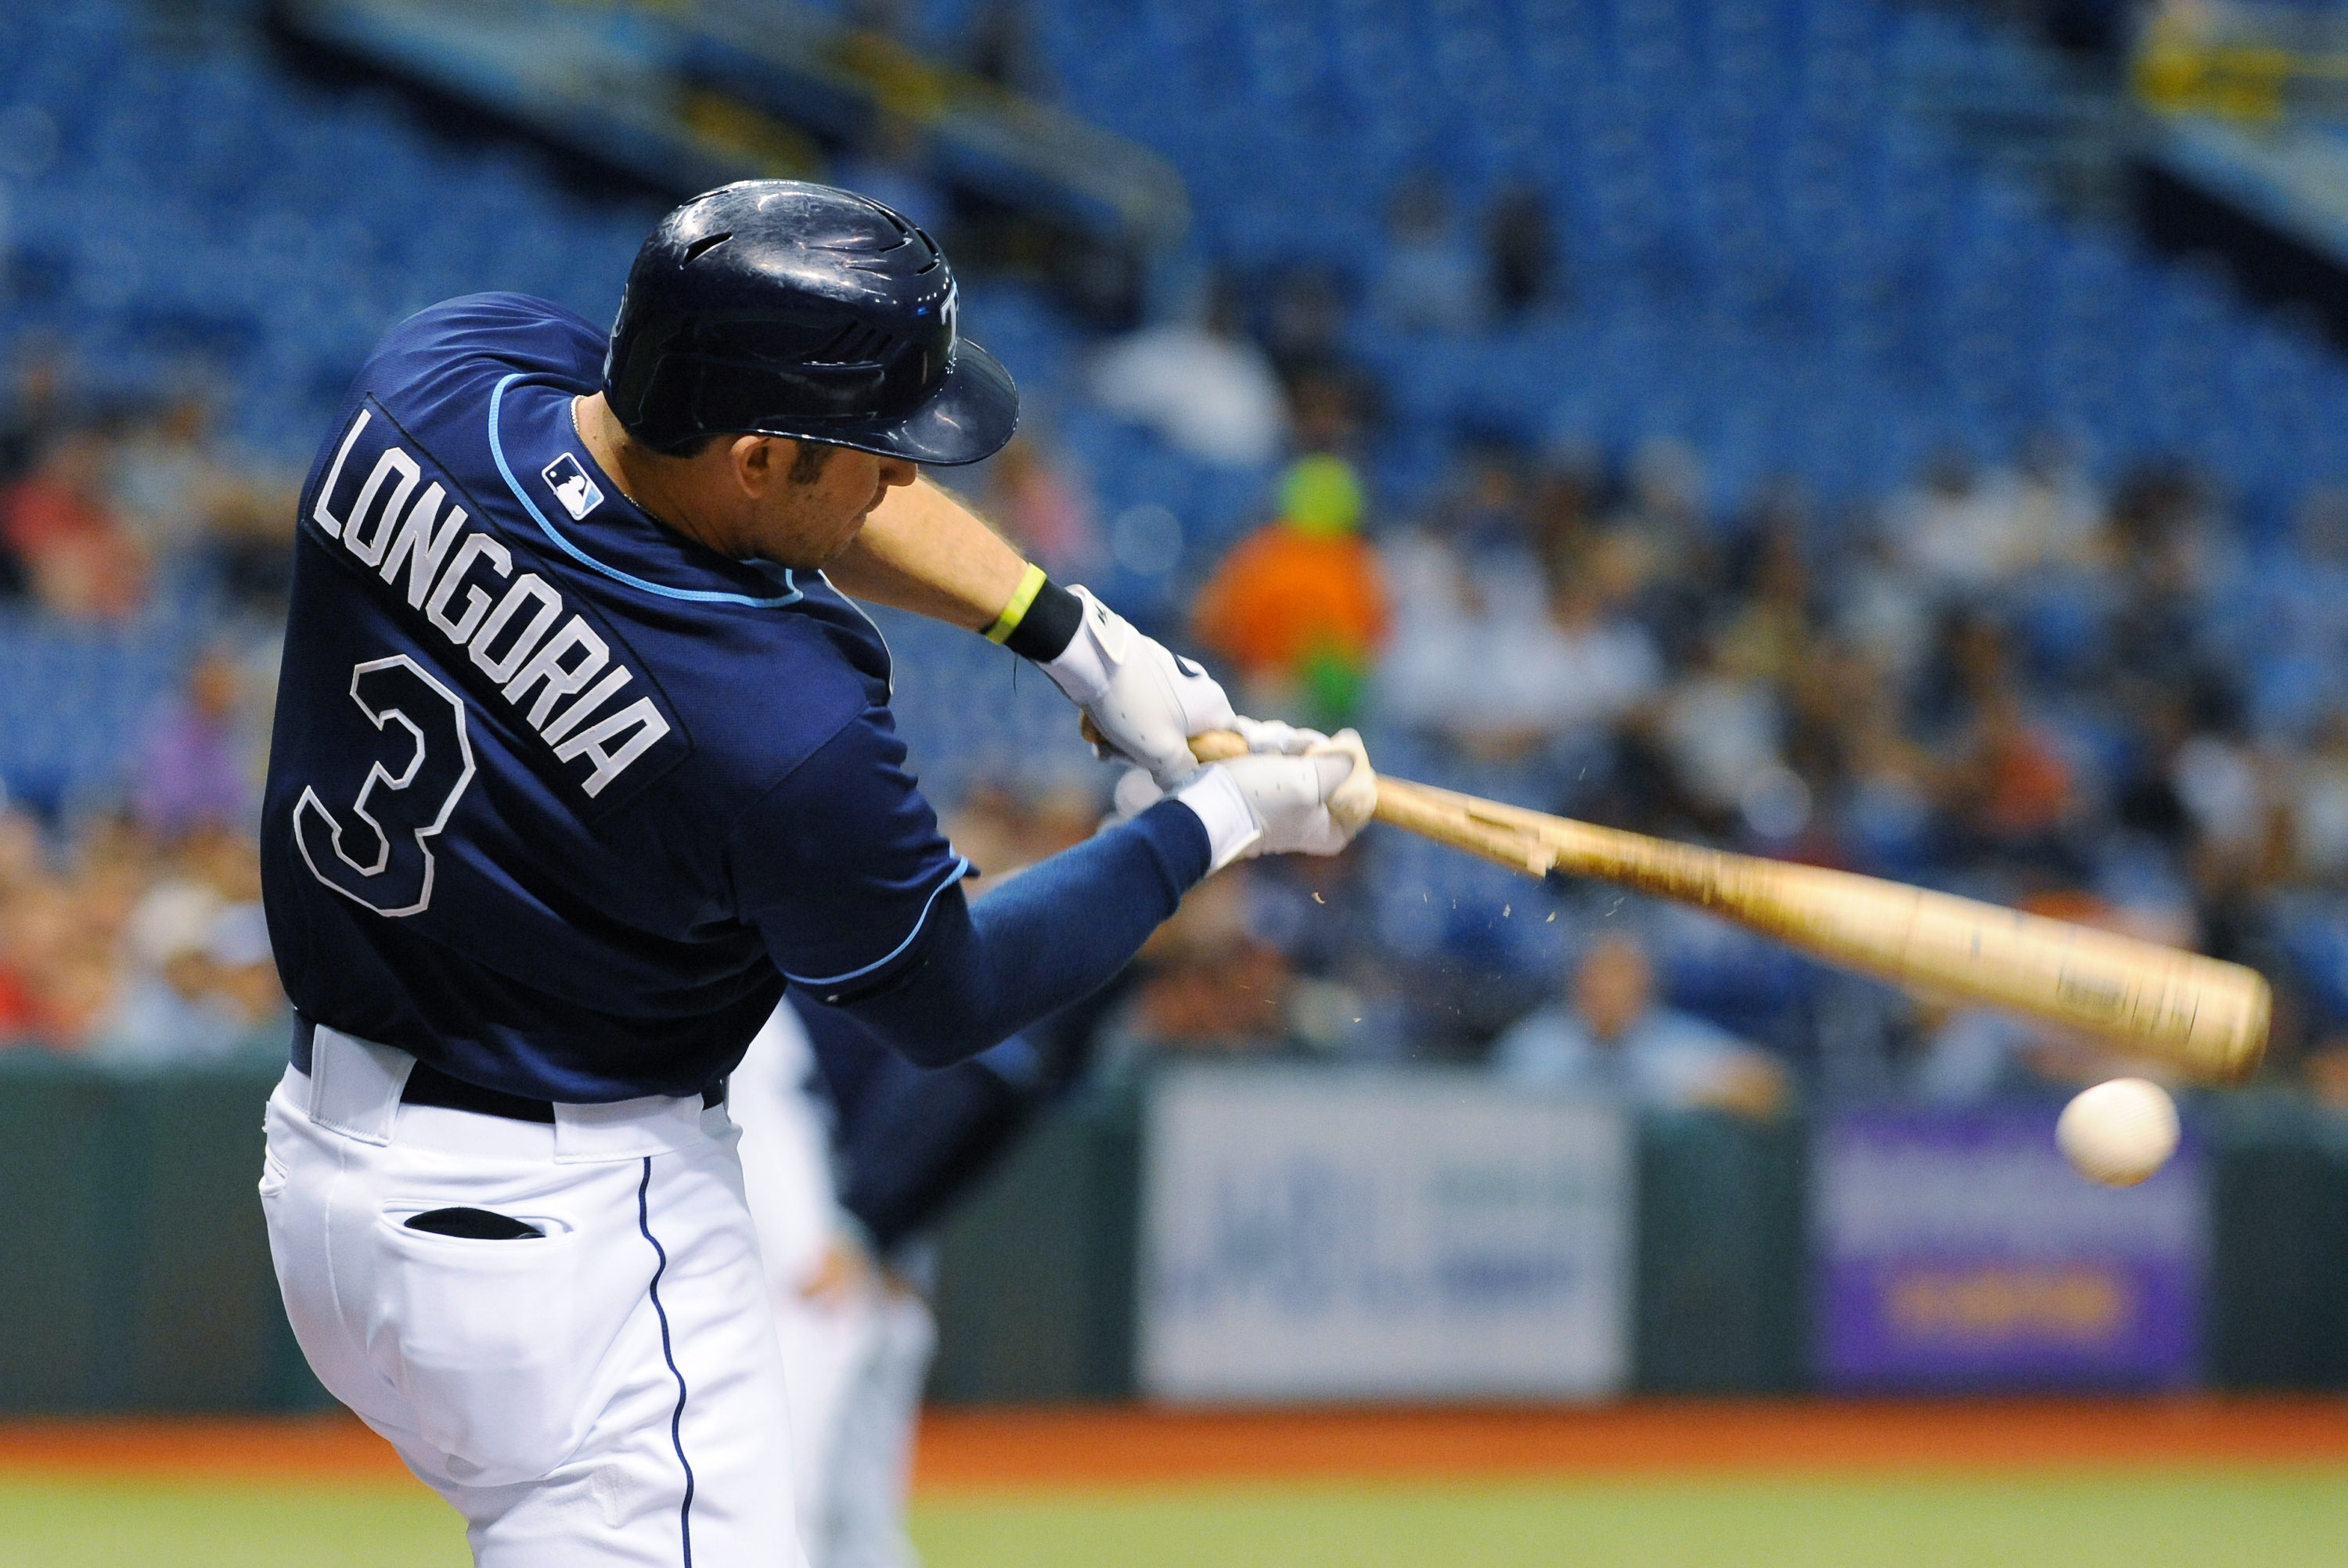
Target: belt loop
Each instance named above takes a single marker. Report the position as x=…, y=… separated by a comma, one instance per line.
x=356, y=1084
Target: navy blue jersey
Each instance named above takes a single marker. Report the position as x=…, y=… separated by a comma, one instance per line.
x=558, y=797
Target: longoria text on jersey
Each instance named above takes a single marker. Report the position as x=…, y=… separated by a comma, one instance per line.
x=525, y=640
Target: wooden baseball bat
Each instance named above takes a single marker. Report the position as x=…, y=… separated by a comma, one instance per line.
x=2200, y=1014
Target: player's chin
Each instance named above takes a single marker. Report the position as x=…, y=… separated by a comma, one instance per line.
x=838, y=546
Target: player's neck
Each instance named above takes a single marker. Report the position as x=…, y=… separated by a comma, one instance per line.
x=637, y=472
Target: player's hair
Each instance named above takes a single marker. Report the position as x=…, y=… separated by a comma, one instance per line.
x=808, y=466
x=813, y=457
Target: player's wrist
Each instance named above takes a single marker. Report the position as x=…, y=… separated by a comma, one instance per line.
x=1040, y=620
x=1097, y=645
x=1222, y=806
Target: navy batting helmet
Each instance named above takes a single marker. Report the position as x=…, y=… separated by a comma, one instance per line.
x=774, y=307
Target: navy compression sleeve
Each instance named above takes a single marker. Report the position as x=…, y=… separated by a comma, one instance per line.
x=1057, y=931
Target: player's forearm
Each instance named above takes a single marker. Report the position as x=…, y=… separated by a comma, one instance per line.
x=925, y=551
x=1058, y=932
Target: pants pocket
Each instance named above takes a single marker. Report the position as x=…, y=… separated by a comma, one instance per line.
x=494, y=1344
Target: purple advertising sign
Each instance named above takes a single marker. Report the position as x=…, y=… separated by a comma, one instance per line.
x=1958, y=1250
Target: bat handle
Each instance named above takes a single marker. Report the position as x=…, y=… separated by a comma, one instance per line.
x=1406, y=805
x=1207, y=746
x=1217, y=746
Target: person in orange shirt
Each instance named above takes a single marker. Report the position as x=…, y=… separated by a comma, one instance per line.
x=1297, y=609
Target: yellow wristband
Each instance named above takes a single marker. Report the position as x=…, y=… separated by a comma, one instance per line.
x=1030, y=585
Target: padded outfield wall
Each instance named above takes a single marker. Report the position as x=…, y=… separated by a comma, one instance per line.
x=138, y=1278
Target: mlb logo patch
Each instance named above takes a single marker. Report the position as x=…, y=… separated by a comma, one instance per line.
x=571, y=487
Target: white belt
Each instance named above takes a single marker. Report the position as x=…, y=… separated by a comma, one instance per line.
x=354, y=1087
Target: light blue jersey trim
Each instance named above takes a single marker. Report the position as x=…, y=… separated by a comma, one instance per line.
x=960, y=870
x=695, y=595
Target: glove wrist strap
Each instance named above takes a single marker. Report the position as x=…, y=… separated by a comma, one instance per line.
x=1084, y=666
x=1222, y=809
x=1041, y=619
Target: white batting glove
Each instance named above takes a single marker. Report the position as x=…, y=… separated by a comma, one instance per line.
x=1146, y=702
x=1272, y=736
x=1266, y=803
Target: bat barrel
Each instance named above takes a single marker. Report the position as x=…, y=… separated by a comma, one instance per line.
x=2206, y=1017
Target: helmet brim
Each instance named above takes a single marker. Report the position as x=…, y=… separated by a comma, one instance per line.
x=968, y=418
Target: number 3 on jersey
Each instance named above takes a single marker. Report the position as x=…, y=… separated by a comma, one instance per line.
x=385, y=862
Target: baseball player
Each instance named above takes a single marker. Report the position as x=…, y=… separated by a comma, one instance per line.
x=580, y=758
x=850, y=1155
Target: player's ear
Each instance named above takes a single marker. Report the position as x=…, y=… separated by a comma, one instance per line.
x=757, y=463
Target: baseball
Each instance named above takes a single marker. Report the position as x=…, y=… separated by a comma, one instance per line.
x=2119, y=1132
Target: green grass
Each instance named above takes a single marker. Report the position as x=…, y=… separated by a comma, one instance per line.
x=222, y=1524
x=2199, y=1519
x=2193, y=1520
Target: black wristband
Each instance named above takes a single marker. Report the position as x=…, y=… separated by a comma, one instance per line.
x=1050, y=624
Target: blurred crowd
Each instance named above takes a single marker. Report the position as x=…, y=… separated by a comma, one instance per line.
x=131, y=926
x=2095, y=702
x=2099, y=700
x=131, y=945
x=2112, y=697
x=2100, y=695
x=106, y=501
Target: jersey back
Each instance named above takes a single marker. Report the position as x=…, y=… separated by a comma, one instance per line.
x=557, y=796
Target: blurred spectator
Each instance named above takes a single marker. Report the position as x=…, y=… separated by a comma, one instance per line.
x=34, y=415
x=1723, y=728
x=1610, y=1037
x=1883, y=611
x=128, y=947
x=2317, y=783
x=1957, y=530
x=74, y=551
x=1520, y=246
x=1299, y=608
x=1430, y=279
x=1769, y=634
x=1663, y=543
x=1333, y=405
x=1483, y=513
x=2013, y=783
x=22, y=867
x=2218, y=781
x=1203, y=385
x=200, y=982
x=1001, y=831
x=1501, y=667
x=1304, y=318
x=60, y=935
x=253, y=546
x=1233, y=1003
x=1209, y=987
x=166, y=487
x=2062, y=511
x=1043, y=510
x=45, y=975
x=193, y=768
x=2162, y=559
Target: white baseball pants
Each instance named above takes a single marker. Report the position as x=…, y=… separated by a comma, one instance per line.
x=607, y=1394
